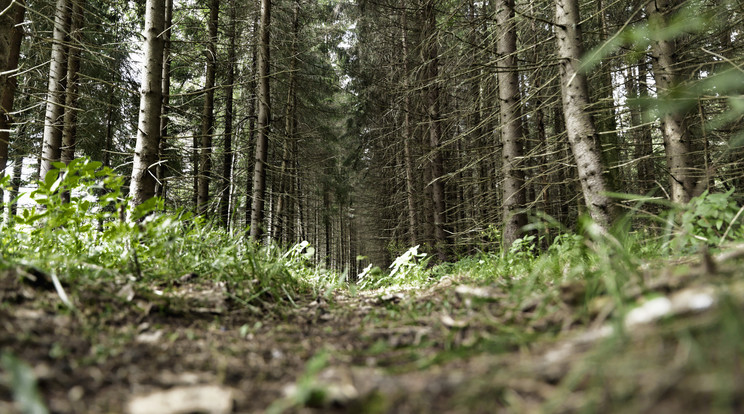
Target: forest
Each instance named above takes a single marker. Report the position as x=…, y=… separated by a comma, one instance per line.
x=371, y=206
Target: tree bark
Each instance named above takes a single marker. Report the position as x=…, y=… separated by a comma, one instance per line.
x=252, y=120
x=54, y=117
x=264, y=117
x=161, y=170
x=408, y=159
x=431, y=59
x=512, y=134
x=207, y=127
x=69, y=129
x=281, y=225
x=227, y=161
x=582, y=135
x=676, y=141
x=151, y=94
x=8, y=82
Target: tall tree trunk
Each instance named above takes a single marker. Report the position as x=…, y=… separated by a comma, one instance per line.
x=638, y=90
x=252, y=121
x=290, y=126
x=582, y=135
x=431, y=59
x=676, y=141
x=151, y=95
x=207, y=128
x=512, y=135
x=227, y=161
x=162, y=170
x=109, y=139
x=264, y=119
x=408, y=159
x=69, y=129
x=8, y=82
x=54, y=117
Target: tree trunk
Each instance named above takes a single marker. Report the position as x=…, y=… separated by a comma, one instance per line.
x=676, y=141
x=252, y=106
x=643, y=153
x=151, y=95
x=227, y=161
x=582, y=134
x=8, y=82
x=162, y=170
x=54, y=117
x=69, y=130
x=408, y=159
x=264, y=117
x=431, y=59
x=290, y=126
x=207, y=128
x=512, y=135
x=7, y=27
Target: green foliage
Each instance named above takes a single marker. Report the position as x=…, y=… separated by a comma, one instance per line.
x=81, y=227
x=709, y=219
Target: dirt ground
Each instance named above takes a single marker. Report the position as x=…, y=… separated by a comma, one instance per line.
x=457, y=347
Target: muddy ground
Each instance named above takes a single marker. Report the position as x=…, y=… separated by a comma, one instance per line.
x=456, y=347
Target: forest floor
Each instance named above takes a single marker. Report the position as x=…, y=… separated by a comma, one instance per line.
x=457, y=346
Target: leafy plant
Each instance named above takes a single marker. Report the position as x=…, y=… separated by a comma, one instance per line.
x=709, y=219
x=406, y=269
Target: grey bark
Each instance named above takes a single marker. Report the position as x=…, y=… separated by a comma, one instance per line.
x=151, y=94
x=582, y=135
x=676, y=141
x=263, y=124
x=161, y=170
x=207, y=127
x=54, y=116
x=227, y=161
x=512, y=134
x=281, y=223
x=431, y=59
x=408, y=159
x=69, y=129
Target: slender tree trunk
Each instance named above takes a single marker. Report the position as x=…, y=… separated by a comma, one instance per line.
x=582, y=135
x=15, y=187
x=8, y=82
x=607, y=124
x=431, y=59
x=290, y=125
x=108, y=141
x=512, y=135
x=252, y=121
x=162, y=170
x=54, y=117
x=408, y=159
x=643, y=152
x=69, y=130
x=151, y=95
x=676, y=141
x=227, y=161
x=264, y=117
x=207, y=128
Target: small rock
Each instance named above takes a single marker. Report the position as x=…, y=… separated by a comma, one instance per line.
x=211, y=399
